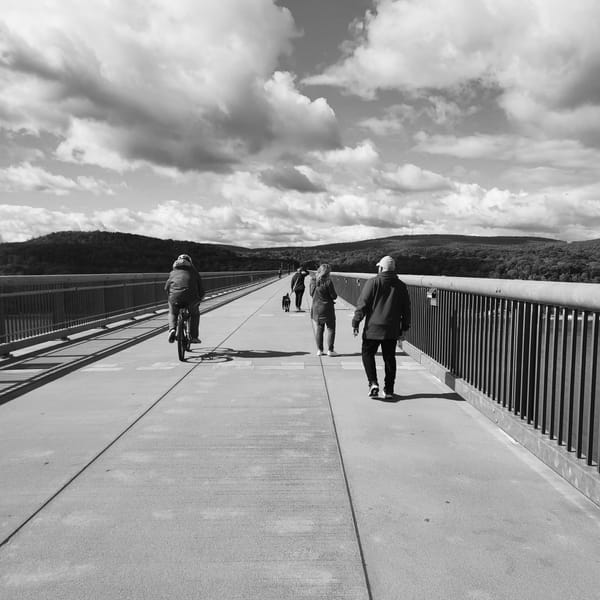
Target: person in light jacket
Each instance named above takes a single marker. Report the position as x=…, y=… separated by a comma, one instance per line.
x=385, y=305
x=184, y=288
x=323, y=308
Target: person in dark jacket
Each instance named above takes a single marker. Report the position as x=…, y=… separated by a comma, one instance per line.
x=298, y=286
x=323, y=308
x=385, y=305
x=184, y=288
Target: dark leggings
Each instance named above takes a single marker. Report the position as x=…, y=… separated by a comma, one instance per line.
x=194, y=309
x=388, y=350
x=299, y=294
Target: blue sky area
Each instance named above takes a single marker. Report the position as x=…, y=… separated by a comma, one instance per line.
x=299, y=122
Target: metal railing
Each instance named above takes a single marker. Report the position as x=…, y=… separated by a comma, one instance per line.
x=531, y=347
x=36, y=308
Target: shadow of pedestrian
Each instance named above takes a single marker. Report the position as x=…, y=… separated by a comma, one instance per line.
x=222, y=355
x=399, y=397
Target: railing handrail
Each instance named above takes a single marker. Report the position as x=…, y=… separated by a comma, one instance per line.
x=583, y=296
x=524, y=352
x=9, y=280
x=35, y=308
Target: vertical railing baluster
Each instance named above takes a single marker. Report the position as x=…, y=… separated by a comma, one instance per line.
x=554, y=371
x=470, y=346
x=582, y=381
x=572, y=375
x=544, y=370
x=563, y=378
x=593, y=431
x=533, y=366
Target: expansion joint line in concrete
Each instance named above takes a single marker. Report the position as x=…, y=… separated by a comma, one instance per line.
x=125, y=431
x=345, y=476
x=92, y=461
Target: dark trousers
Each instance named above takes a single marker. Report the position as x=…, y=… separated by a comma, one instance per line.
x=319, y=329
x=299, y=294
x=194, y=309
x=388, y=350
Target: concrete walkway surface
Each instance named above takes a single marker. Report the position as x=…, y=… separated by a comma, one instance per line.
x=257, y=470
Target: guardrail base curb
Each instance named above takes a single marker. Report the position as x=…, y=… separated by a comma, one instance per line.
x=581, y=476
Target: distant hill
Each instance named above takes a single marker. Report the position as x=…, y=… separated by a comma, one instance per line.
x=103, y=252
x=452, y=255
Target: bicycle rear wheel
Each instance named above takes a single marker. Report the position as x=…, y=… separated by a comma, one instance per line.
x=182, y=338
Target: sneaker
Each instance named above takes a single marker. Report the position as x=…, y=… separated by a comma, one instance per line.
x=195, y=341
x=171, y=336
x=389, y=395
x=332, y=353
x=319, y=352
x=374, y=391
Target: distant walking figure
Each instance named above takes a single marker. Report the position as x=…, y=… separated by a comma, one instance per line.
x=298, y=286
x=385, y=305
x=323, y=308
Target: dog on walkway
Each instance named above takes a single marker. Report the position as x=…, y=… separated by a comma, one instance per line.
x=285, y=303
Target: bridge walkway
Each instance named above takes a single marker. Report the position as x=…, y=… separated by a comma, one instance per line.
x=257, y=470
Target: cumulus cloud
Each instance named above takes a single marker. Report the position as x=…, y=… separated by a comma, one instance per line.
x=190, y=84
x=563, y=153
x=392, y=121
x=247, y=212
x=435, y=109
x=290, y=178
x=410, y=178
x=542, y=56
x=364, y=155
x=30, y=178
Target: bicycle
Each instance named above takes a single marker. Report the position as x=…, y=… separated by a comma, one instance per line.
x=182, y=332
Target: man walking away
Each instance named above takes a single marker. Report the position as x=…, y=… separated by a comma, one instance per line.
x=385, y=305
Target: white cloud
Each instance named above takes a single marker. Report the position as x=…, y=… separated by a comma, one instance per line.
x=189, y=84
x=542, y=55
x=393, y=120
x=560, y=153
x=247, y=212
x=437, y=109
x=30, y=178
x=364, y=155
x=410, y=178
x=296, y=119
x=552, y=212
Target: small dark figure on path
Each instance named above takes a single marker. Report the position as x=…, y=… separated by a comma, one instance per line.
x=285, y=303
x=385, y=305
x=298, y=286
x=323, y=308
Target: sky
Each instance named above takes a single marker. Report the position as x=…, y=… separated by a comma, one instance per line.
x=265, y=123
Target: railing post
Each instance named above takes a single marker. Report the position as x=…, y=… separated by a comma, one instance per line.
x=58, y=309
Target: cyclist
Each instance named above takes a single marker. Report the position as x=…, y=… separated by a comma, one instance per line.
x=184, y=288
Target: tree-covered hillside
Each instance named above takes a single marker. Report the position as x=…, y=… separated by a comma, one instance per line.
x=451, y=255
x=103, y=252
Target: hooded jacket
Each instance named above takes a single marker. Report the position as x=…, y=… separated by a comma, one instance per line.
x=184, y=285
x=385, y=305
